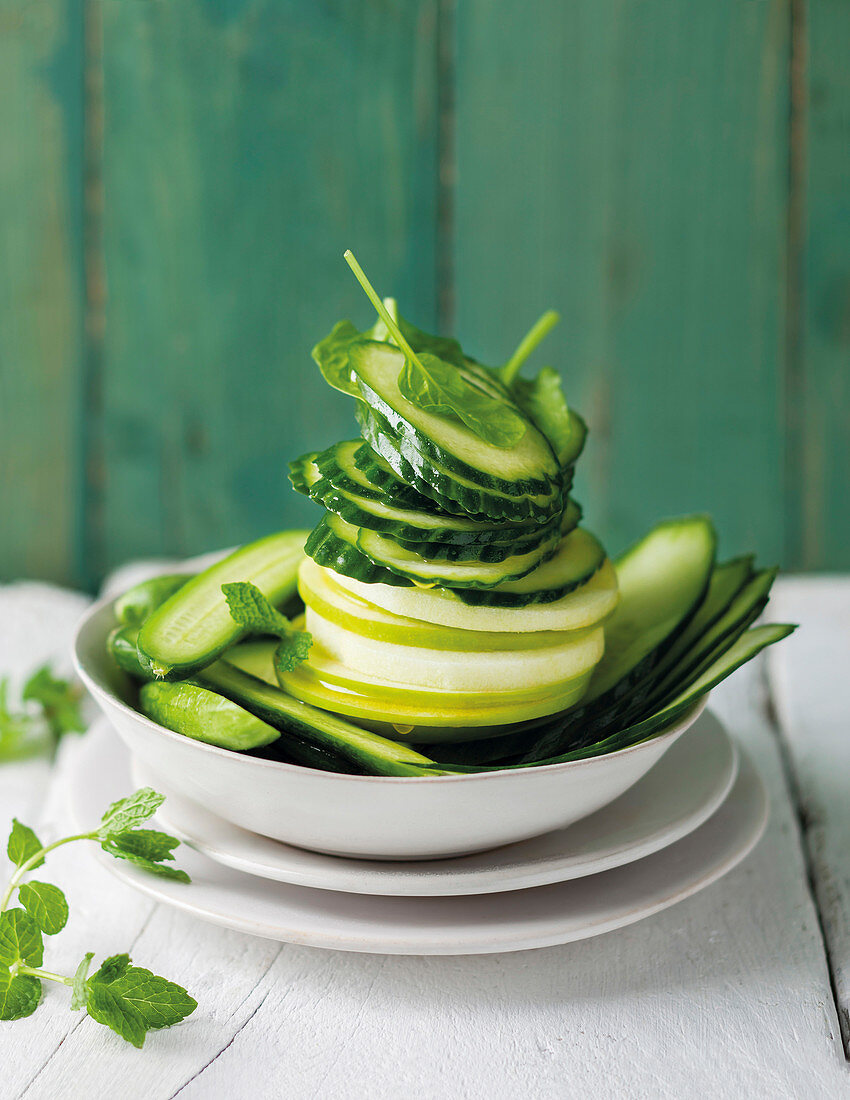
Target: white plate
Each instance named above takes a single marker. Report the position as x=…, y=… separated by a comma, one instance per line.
x=680, y=792
x=478, y=924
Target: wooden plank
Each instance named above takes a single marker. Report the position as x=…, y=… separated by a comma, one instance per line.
x=809, y=678
x=41, y=293
x=822, y=448
x=247, y=144
x=627, y=165
x=726, y=994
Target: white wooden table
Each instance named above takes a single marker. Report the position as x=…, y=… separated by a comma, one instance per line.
x=741, y=991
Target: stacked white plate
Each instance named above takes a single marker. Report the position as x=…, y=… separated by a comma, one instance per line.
x=692, y=818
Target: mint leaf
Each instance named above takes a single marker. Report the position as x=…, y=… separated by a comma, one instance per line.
x=542, y=399
x=129, y=812
x=20, y=939
x=132, y=1000
x=59, y=700
x=46, y=904
x=332, y=357
x=23, y=845
x=147, y=843
x=109, y=1008
x=19, y=995
x=438, y=387
x=253, y=611
x=79, y=995
x=16, y=742
x=111, y=848
x=111, y=969
x=160, y=1003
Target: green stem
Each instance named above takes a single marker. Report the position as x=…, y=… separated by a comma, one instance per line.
x=537, y=333
x=47, y=975
x=381, y=309
x=34, y=859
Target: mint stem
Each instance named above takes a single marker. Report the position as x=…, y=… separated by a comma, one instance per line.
x=34, y=859
x=535, y=335
x=47, y=975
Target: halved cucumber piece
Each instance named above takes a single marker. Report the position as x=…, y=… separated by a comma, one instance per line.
x=486, y=574
x=589, y=604
x=529, y=466
x=577, y=558
x=423, y=722
x=372, y=753
x=483, y=672
x=145, y=597
x=333, y=543
x=203, y=715
x=194, y=626
x=451, y=491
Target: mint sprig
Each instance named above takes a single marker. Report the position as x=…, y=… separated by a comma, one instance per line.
x=55, y=712
x=253, y=611
x=128, y=999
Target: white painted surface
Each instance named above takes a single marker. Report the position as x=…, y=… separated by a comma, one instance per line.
x=725, y=995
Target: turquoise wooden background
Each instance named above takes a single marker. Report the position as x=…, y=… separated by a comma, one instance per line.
x=178, y=181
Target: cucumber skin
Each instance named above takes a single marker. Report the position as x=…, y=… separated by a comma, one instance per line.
x=122, y=645
x=328, y=549
x=138, y=602
x=453, y=465
x=298, y=475
x=158, y=667
x=389, y=490
x=417, y=470
x=197, y=712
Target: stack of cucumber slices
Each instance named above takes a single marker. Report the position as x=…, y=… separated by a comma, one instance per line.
x=448, y=613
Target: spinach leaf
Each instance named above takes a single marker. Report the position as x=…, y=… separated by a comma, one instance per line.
x=331, y=355
x=542, y=400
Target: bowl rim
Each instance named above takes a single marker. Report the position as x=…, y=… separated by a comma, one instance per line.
x=95, y=688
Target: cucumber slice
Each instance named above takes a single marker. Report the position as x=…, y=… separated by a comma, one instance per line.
x=483, y=673
x=340, y=465
x=203, y=715
x=333, y=544
x=304, y=473
x=376, y=755
x=450, y=490
x=577, y=558
x=122, y=648
x=333, y=602
x=527, y=467
x=589, y=604
x=139, y=601
x=193, y=627
x=406, y=562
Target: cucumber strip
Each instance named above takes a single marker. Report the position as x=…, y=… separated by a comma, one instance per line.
x=304, y=473
x=339, y=605
x=529, y=466
x=139, y=601
x=577, y=557
x=486, y=574
x=203, y=715
x=749, y=645
x=194, y=626
x=375, y=754
x=590, y=603
x=450, y=490
x=333, y=544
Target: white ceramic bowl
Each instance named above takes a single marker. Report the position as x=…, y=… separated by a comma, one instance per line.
x=377, y=817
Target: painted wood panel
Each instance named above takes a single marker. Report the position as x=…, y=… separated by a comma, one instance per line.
x=41, y=295
x=626, y=164
x=247, y=143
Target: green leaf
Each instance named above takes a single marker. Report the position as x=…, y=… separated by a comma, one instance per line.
x=79, y=994
x=444, y=347
x=16, y=730
x=542, y=399
x=146, y=843
x=23, y=845
x=160, y=1003
x=128, y=813
x=46, y=904
x=109, y=846
x=19, y=995
x=59, y=699
x=439, y=388
x=107, y=1007
x=111, y=969
x=332, y=357
x=251, y=610
x=20, y=939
